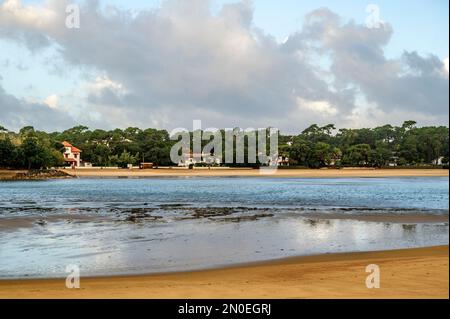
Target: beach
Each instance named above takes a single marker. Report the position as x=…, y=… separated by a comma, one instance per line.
x=205, y=236
x=406, y=273
x=239, y=172
x=248, y=172
x=232, y=150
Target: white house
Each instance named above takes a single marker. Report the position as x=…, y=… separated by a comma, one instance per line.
x=438, y=161
x=72, y=155
x=192, y=159
x=283, y=161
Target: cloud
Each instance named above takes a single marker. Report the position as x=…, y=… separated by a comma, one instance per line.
x=410, y=84
x=51, y=101
x=319, y=107
x=27, y=23
x=106, y=92
x=17, y=113
x=171, y=65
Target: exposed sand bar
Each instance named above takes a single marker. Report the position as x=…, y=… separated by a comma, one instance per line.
x=407, y=273
x=289, y=173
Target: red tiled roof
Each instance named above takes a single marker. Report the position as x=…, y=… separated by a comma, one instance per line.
x=70, y=160
x=74, y=149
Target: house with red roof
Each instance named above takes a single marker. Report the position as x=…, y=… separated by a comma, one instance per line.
x=72, y=155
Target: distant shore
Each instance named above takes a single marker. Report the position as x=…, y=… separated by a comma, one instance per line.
x=225, y=172
x=233, y=172
x=405, y=273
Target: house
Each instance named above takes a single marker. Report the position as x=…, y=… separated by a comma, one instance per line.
x=72, y=155
x=279, y=161
x=283, y=161
x=190, y=159
x=438, y=161
x=393, y=161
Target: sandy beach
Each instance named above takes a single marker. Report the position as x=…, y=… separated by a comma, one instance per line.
x=406, y=273
x=242, y=172
x=288, y=173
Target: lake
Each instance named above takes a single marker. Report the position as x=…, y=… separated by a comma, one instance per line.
x=133, y=226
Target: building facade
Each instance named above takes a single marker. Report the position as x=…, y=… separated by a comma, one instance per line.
x=72, y=155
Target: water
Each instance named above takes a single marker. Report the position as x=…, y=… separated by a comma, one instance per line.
x=124, y=226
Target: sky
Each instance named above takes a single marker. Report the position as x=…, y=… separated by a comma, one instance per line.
x=165, y=63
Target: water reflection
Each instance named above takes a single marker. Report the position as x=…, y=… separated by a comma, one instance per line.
x=142, y=226
x=409, y=228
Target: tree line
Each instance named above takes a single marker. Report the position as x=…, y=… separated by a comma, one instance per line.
x=315, y=147
x=406, y=145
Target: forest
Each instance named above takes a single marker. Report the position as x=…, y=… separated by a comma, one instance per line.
x=315, y=147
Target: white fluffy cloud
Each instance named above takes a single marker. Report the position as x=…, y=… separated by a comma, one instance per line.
x=52, y=101
x=169, y=66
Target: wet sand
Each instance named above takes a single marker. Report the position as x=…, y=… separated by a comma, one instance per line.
x=13, y=223
x=383, y=218
x=289, y=173
x=407, y=273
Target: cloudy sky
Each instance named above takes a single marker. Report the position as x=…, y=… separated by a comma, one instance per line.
x=260, y=63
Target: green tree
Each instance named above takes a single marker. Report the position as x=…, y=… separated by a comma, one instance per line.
x=381, y=155
x=321, y=155
x=358, y=155
x=32, y=153
x=126, y=158
x=8, y=153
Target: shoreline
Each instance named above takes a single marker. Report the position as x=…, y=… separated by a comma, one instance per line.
x=21, y=222
x=33, y=175
x=280, y=173
x=20, y=175
x=405, y=273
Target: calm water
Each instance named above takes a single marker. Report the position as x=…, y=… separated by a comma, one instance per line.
x=121, y=226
